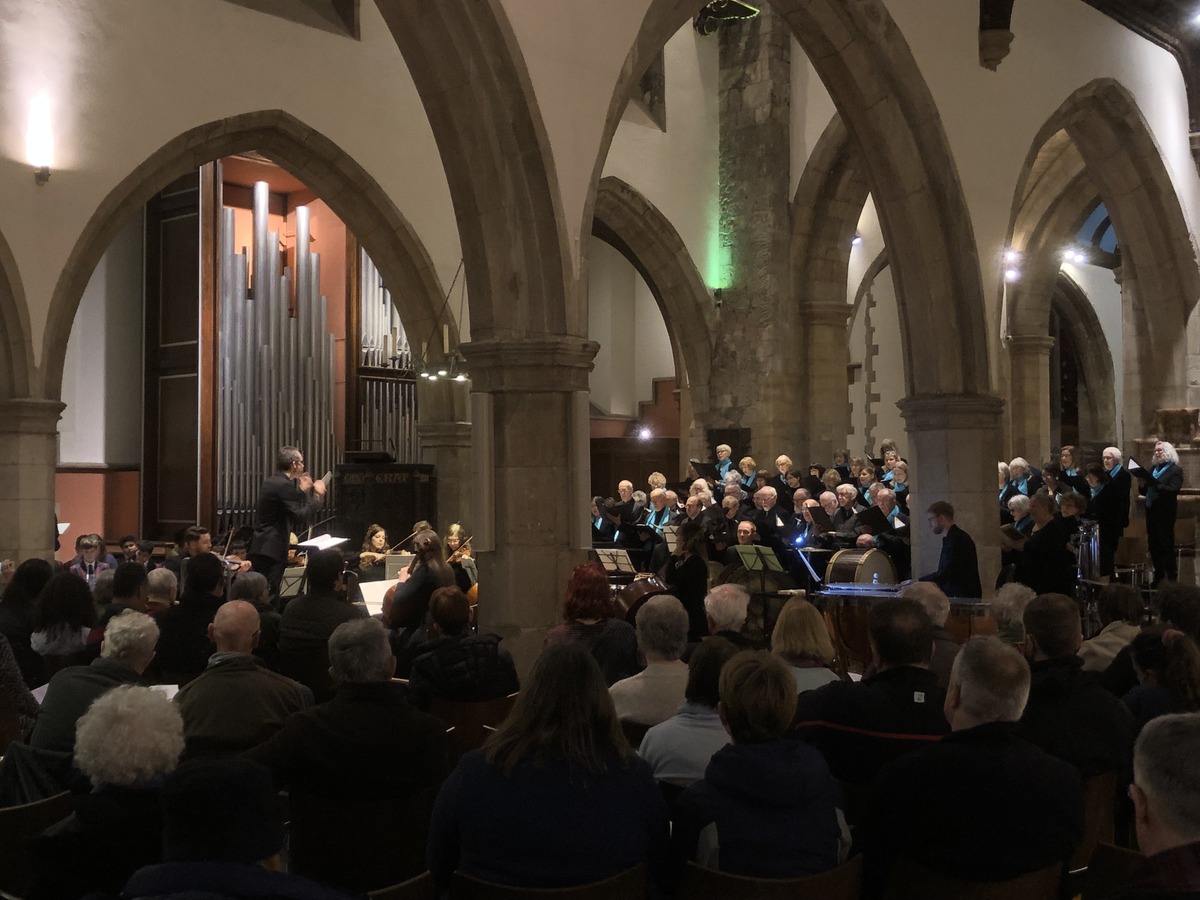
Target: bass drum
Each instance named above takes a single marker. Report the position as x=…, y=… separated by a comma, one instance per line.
x=860, y=566
x=629, y=599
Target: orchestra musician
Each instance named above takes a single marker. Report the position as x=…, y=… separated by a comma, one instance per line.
x=406, y=606
x=466, y=573
x=373, y=556
x=288, y=500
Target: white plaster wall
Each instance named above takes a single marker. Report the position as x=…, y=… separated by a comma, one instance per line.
x=1105, y=296
x=652, y=355
x=102, y=379
x=126, y=76
x=812, y=111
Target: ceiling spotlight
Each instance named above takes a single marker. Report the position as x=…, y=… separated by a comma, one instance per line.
x=1011, y=275
x=432, y=377
x=461, y=376
x=443, y=371
x=424, y=374
x=1012, y=256
x=857, y=242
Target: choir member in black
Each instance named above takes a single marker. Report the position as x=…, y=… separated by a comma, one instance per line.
x=1052, y=482
x=1161, y=484
x=724, y=463
x=625, y=515
x=1046, y=564
x=896, y=543
x=848, y=505
x=1071, y=469
x=958, y=567
x=686, y=574
x=779, y=481
x=841, y=462
x=1023, y=480
x=1110, y=503
x=603, y=529
x=749, y=469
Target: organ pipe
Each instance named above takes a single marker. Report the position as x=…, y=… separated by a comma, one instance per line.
x=387, y=383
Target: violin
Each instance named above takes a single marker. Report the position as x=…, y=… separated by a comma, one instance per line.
x=463, y=551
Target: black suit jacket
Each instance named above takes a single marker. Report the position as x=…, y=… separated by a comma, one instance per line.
x=1046, y=565
x=958, y=568
x=282, y=508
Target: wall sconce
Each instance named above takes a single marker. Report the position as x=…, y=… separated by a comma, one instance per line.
x=39, y=138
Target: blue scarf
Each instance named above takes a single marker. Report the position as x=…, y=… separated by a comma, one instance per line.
x=1152, y=487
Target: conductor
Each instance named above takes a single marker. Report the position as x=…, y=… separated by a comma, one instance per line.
x=286, y=502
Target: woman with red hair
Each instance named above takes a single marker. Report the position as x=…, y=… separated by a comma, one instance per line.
x=590, y=619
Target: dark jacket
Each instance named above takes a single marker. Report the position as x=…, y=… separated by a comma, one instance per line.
x=222, y=881
x=282, y=509
x=958, y=567
x=1070, y=715
x=773, y=807
x=310, y=619
x=1046, y=565
x=70, y=693
x=547, y=826
x=183, y=644
x=467, y=667
x=1171, y=875
x=860, y=727
x=981, y=804
x=236, y=704
x=16, y=624
x=1162, y=493
x=1111, y=504
x=410, y=602
x=612, y=643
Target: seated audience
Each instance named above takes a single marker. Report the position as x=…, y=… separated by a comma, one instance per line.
x=131, y=590
x=981, y=804
x=726, y=608
x=556, y=797
x=1069, y=714
x=255, y=590
x=1178, y=607
x=311, y=618
x=62, y=616
x=126, y=651
x=223, y=836
x=767, y=806
x=236, y=703
x=1167, y=663
x=13, y=689
x=1166, y=802
x=16, y=615
x=802, y=641
x=164, y=589
x=678, y=750
x=456, y=664
x=117, y=828
x=1120, y=609
x=653, y=695
x=861, y=726
x=591, y=620
x=184, y=647
x=1008, y=609
x=945, y=648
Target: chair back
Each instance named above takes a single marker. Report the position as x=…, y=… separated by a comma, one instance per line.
x=1099, y=801
x=841, y=883
x=1109, y=870
x=628, y=885
x=470, y=720
x=19, y=826
x=359, y=845
x=419, y=888
x=911, y=881
x=634, y=732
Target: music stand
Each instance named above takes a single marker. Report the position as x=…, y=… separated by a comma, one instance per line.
x=616, y=562
x=670, y=534
x=759, y=559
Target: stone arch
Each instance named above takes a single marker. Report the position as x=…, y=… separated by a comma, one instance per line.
x=16, y=348
x=352, y=194
x=877, y=87
x=1097, y=375
x=632, y=225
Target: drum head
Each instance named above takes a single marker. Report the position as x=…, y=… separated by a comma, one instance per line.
x=861, y=566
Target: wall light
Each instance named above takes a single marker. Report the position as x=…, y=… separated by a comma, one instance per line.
x=1012, y=256
x=1011, y=275
x=645, y=433
x=39, y=138
x=857, y=242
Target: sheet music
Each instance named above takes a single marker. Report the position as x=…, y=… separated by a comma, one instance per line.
x=322, y=542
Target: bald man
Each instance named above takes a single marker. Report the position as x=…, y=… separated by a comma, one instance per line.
x=236, y=703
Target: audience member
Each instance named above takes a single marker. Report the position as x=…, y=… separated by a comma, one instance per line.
x=1166, y=802
x=223, y=836
x=104, y=590
x=1120, y=609
x=860, y=726
x=309, y=620
x=1069, y=714
x=88, y=562
x=945, y=647
x=62, y=616
x=653, y=695
x=981, y=804
x=591, y=620
x=801, y=639
x=678, y=750
x=131, y=590
x=126, y=651
x=184, y=647
x=236, y=703
x=767, y=807
x=16, y=616
x=15, y=692
x=164, y=589
x=127, y=742
x=556, y=797
x=1167, y=663
x=1008, y=609
x=254, y=588
x=1178, y=607
x=456, y=664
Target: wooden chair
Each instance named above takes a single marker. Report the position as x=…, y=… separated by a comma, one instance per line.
x=419, y=888
x=1109, y=869
x=911, y=881
x=19, y=826
x=634, y=732
x=628, y=885
x=1098, y=814
x=842, y=883
x=469, y=720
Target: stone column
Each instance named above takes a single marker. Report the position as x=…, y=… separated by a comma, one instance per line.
x=825, y=389
x=28, y=460
x=953, y=441
x=444, y=434
x=1132, y=416
x=529, y=409
x=1029, y=397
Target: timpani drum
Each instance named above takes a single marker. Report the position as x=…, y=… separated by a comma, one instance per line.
x=860, y=566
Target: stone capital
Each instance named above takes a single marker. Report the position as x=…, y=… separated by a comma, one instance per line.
x=1031, y=344
x=28, y=415
x=436, y=435
x=994, y=45
x=530, y=365
x=823, y=313
x=923, y=412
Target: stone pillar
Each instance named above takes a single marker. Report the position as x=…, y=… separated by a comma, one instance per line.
x=1029, y=397
x=1131, y=420
x=529, y=410
x=825, y=389
x=756, y=361
x=953, y=441
x=444, y=435
x=28, y=460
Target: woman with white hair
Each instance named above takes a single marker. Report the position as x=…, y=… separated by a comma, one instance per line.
x=126, y=744
x=1161, y=484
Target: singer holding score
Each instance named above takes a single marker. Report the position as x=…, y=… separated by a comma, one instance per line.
x=287, y=501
